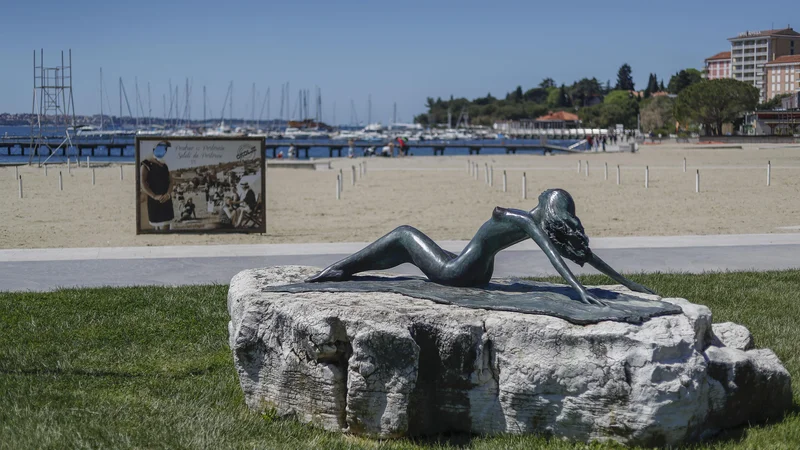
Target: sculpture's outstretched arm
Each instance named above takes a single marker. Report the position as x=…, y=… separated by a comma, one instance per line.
x=523, y=220
x=601, y=266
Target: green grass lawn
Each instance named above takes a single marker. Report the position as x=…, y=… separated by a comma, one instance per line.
x=150, y=368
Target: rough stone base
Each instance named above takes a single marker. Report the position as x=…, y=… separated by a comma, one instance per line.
x=387, y=365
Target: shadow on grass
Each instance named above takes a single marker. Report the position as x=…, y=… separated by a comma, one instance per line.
x=99, y=373
x=739, y=433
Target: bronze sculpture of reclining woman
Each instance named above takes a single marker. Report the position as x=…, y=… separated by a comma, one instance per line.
x=552, y=224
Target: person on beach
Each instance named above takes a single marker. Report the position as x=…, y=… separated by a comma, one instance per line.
x=552, y=224
x=188, y=211
x=157, y=185
x=246, y=205
x=231, y=204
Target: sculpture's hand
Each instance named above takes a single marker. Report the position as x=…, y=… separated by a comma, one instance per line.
x=601, y=266
x=590, y=299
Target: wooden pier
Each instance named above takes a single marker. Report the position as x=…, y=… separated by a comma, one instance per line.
x=116, y=146
x=439, y=147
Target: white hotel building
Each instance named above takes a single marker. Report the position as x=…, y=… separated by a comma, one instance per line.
x=752, y=50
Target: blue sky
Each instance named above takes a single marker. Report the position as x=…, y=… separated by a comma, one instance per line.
x=397, y=51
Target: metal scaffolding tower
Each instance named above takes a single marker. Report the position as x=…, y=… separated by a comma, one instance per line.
x=54, y=108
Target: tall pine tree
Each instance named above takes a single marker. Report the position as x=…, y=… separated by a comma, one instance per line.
x=652, y=84
x=624, y=78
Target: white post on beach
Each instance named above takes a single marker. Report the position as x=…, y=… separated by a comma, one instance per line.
x=486, y=172
x=579, y=166
x=365, y=168
x=92, y=177
x=353, y=180
x=769, y=169
x=88, y=164
x=341, y=180
x=45, y=170
x=684, y=165
x=697, y=181
x=20, y=186
x=468, y=165
x=524, y=186
x=606, y=171
x=69, y=165
x=617, y=174
x=587, y=168
x=505, y=182
x=491, y=176
x=646, y=177
x=476, y=171
x=60, y=181
x=338, y=187
x=120, y=172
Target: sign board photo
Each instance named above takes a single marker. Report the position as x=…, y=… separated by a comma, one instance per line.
x=197, y=184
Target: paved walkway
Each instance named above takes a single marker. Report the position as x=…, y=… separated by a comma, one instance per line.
x=48, y=269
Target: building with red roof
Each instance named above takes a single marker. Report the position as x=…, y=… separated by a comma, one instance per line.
x=558, y=119
x=718, y=66
x=782, y=76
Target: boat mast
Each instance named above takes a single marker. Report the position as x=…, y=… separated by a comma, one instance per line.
x=101, y=99
x=149, y=107
x=136, y=89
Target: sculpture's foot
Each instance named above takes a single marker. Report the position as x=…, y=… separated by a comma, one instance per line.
x=328, y=274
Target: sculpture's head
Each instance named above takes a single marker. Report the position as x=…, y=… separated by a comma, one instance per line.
x=562, y=226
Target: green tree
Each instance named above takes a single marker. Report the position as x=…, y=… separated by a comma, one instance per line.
x=485, y=100
x=619, y=107
x=517, y=94
x=656, y=114
x=591, y=116
x=652, y=84
x=536, y=95
x=713, y=103
x=772, y=103
x=564, y=97
x=547, y=83
x=683, y=80
x=582, y=91
x=624, y=78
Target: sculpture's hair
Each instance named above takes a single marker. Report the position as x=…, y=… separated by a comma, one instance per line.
x=563, y=227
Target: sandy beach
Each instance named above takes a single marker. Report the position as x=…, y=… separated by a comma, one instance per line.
x=436, y=195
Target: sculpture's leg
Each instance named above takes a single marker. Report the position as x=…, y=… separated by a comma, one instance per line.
x=601, y=266
x=404, y=244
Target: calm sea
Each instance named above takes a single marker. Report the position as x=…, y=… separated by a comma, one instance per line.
x=127, y=154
